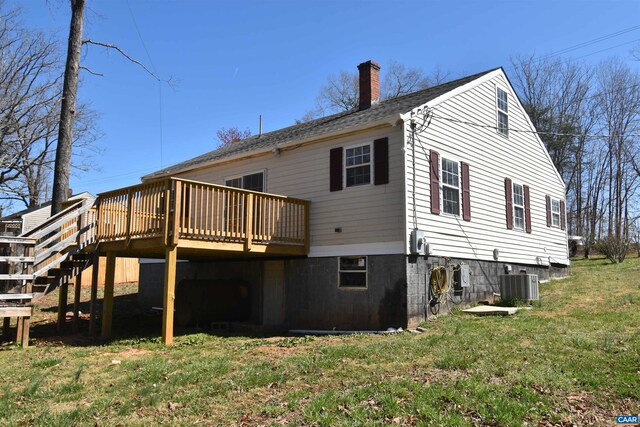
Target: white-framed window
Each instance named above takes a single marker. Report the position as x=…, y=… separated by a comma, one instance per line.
x=502, y=104
x=352, y=272
x=253, y=181
x=518, y=206
x=450, y=187
x=357, y=165
x=555, y=212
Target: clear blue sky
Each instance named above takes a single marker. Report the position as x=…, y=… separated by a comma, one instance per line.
x=235, y=60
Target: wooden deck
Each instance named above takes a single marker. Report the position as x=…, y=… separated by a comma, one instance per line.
x=181, y=219
x=200, y=220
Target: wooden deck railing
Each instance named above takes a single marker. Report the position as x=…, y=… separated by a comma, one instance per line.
x=72, y=227
x=176, y=209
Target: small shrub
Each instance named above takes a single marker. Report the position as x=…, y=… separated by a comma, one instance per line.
x=613, y=248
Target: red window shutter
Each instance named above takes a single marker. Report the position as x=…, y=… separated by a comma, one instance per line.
x=466, y=196
x=434, y=167
x=508, y=202
x=381, y=161
x=548, y=211
x=527, y=210
x=335, y=169
x=563, y=214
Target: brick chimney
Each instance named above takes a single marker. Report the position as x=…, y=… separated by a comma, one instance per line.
x=69, y=192
x=369, y=84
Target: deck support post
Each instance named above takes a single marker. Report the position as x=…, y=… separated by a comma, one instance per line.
x=6, y=325
x=107, y=305
x=169, y=294
x=95, y=269
x=62, y=302
x=76, y=301
x=23, y=331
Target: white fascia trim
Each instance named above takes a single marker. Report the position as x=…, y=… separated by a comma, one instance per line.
x=391, y=120
x=382, y=248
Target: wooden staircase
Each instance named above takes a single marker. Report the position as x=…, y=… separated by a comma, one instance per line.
x=46, y=258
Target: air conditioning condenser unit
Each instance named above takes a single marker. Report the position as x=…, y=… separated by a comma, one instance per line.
x=522, y=287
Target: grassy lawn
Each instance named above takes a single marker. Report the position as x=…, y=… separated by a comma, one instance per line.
x=573, y=358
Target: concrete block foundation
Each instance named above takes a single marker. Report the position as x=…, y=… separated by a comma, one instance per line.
x=304, y=293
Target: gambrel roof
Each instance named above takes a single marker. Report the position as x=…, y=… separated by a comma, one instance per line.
x=319, y=127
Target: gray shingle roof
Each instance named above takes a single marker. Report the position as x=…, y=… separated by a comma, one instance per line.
x=319, y=127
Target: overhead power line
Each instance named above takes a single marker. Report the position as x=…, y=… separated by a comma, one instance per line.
x=592, y=42
x=153, y=67
x=509, y=129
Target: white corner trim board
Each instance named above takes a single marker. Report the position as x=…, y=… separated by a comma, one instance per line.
x=380, y=248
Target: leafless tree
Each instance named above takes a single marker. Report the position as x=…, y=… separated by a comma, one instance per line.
x=555, y=92
x=231, y=135
x=401, y=80
x=29, y=94
x=618, y=102
x=68, y=110
x=341, y=92
x=30, y=91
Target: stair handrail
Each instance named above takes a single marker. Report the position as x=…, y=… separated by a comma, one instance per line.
x=54, y=221
x=50, y=236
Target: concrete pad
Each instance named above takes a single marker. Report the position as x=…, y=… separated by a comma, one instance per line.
x=491, y=310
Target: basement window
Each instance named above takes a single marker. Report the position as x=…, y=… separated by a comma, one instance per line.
x=352, y=272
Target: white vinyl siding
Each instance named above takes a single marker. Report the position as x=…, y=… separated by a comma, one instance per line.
x=367, y=214
x=492, y=158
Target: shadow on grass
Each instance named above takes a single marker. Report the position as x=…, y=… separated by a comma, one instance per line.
x=130, y=322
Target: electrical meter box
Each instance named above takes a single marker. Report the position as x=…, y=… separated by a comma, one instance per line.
x=461, y=276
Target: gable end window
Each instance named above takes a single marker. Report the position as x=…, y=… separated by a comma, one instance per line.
x=502, y=104
x=352, y=272
x=450, y=187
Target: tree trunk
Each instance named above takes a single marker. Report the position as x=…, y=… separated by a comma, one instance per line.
x=69, y=91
